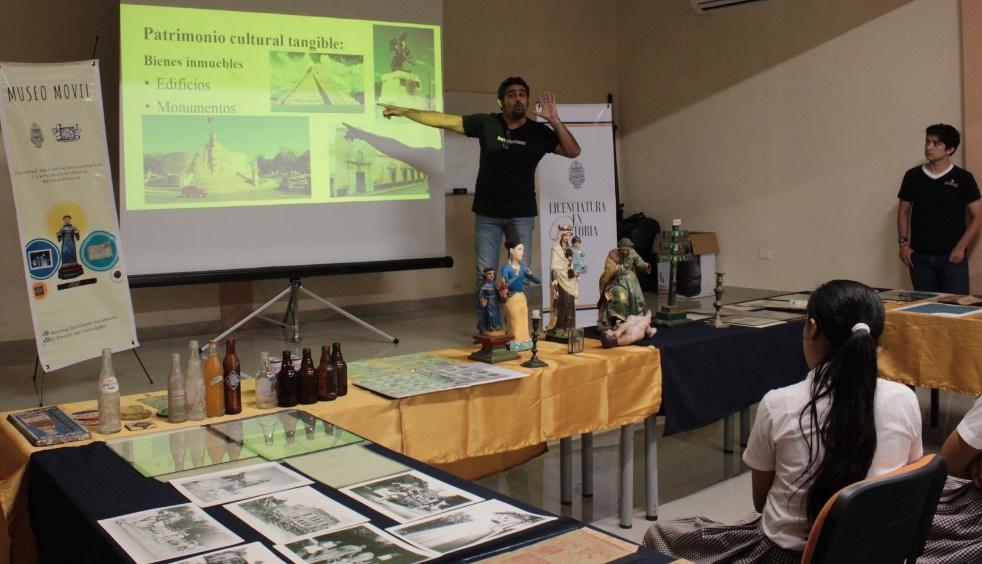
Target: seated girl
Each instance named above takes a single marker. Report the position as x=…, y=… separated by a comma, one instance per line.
x=956, y=532
x=840, y=425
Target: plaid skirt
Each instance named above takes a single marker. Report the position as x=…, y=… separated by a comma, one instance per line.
x=956, y=532
x=703, y=540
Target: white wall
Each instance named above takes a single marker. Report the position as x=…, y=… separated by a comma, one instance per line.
x=803, y=157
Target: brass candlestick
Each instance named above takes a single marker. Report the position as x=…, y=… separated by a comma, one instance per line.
x=717, y=320
x=535, y=362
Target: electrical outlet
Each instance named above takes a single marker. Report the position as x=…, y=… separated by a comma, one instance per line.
x=765, y=253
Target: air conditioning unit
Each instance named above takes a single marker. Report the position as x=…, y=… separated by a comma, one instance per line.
x=710, y=5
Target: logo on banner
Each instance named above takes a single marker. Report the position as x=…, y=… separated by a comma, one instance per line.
x=577, y=175
x=66, y=133
x=37, y=138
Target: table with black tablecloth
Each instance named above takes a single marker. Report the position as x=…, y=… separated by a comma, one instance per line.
x=72, y=488
x=710, y=374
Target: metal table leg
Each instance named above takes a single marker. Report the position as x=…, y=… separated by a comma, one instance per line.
x=626, y=504
x=744, y=426
x=650, y=469
x=586, y=463
x=728, y=434
x=566, y=470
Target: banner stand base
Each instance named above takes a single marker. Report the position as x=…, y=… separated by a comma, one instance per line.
x=39, y=392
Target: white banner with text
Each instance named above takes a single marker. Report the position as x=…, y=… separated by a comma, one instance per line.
x=580, y=192
x=54, y=135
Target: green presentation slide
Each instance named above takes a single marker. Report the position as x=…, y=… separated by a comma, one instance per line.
x=223, y=109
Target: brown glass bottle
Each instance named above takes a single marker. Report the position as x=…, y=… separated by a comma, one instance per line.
x=231, y=371
x=340, y=368
x=286, y=383
x=307, y=380
x=327, y=380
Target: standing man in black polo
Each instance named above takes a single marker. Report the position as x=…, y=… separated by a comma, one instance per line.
x=935, y=200
x=511, y=147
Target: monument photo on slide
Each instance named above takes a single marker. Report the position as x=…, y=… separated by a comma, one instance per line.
x=189, y=160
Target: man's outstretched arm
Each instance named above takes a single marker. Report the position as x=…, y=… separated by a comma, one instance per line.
x=450, y=122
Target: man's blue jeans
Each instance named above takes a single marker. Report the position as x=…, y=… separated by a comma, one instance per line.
x=933, y=273
x=489, y=232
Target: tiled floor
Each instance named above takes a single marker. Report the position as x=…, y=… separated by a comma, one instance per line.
x=695, y=476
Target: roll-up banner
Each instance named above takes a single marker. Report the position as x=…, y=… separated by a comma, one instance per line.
x=54, y=134
x=580, y=192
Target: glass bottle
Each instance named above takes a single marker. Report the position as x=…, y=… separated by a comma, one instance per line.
x=327, y=380
x=265, y=383
x=341, y=368
x=286, y=383
x=194, y=384
x=307, y=379
x=108, y=396
x=176, y=402
x=214, y=388
x=231, y=369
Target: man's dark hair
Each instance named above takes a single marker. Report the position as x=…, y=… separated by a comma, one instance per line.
x=508, y=82
x=947, y=135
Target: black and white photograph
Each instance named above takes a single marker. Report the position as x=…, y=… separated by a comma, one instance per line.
x=252, y=553
x=362, y=543
x=410, y=496
x=468, y=526
x=167, y=532
x=284, y=516
x=238, y=483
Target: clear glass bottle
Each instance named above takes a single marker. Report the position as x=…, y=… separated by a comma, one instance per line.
x=265, y=383
x=108, y=396
x=175, y=391
x=194, y=384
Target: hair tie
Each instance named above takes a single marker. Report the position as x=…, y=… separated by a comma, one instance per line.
x=860, y=328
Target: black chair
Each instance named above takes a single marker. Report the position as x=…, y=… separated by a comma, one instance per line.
x=883, y=520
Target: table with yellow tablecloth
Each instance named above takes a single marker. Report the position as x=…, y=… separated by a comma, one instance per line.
x=932, y=351
x=471, y=432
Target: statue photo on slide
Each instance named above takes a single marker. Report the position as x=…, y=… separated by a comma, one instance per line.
x=564, y=287
x=621, y=296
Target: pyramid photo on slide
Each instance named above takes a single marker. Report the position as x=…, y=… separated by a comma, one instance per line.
x=316, y=82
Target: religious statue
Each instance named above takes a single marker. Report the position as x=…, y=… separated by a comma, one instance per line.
x=400, y=53
x=67, y=236
x=488, y=305
x=620, y=291
x=579, y=257
x=630, y=331
x=513, y=275
x=564, y=286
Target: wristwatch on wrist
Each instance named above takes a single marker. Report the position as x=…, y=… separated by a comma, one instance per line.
x=903, y=240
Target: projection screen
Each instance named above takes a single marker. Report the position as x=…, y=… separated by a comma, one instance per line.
x=253, y=139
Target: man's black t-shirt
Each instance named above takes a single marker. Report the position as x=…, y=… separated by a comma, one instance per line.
x=506, y=178
x=937, y=217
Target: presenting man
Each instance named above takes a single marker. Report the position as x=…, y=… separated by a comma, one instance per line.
x=935, y=199
x=511, y=147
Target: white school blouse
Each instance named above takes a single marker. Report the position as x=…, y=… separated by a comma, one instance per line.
x=970, y=429
x=777, y=445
